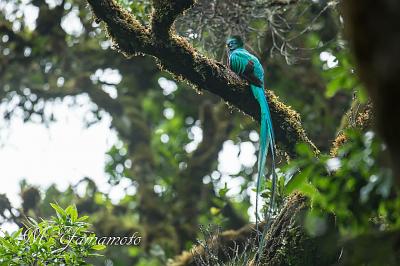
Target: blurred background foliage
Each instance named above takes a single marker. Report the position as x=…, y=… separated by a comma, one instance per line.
x=170, y=137
x=353, y=185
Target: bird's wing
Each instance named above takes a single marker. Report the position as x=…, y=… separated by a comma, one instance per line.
x=242, y=64
x=238, y=62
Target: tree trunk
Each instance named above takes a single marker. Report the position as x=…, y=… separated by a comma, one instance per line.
x=372, y=28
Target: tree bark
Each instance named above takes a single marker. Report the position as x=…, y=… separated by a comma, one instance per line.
x=372, y=28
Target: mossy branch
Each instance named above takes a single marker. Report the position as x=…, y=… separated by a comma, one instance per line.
x=165, y=14
x=359, y=116
x=228, y=243
x=177, y=56
x=130, y=35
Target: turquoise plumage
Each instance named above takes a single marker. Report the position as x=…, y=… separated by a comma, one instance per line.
x=249, y=67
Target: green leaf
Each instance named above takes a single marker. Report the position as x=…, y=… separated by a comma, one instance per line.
x=309, y=190
x=333, y=87
x=215, y=211
x=304, y=150
x=72, y=212
x=58, y=210
x=298, y=180
x=16, y=234
x=223, y=191
x=83, y=218
x=98, y=247
x=362, y=95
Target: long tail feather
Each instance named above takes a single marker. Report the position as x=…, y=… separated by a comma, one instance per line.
x=267, y=142
x=269, y=213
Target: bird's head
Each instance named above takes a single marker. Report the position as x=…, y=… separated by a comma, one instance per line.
x=234, y=42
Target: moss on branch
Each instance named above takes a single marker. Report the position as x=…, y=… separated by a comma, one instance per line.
x=287, y=242
x=165, y=13
x=177, y=56
x=359, y=116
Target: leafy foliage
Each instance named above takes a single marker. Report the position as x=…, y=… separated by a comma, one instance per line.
x=342, y=77
x=352, y=185
x=62, y=240
x=117, y=165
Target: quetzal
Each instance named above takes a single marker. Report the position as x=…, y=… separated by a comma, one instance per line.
x=249, y=67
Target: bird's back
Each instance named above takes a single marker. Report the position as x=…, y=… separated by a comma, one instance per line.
x=243, y=54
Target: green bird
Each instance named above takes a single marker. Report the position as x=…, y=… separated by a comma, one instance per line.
x=247, y=66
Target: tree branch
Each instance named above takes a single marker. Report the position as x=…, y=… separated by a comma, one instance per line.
x=225, y=244
x=121, y=23
x=358, y=116
x=177, y=56
x=282, y=3
x=166, y=12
